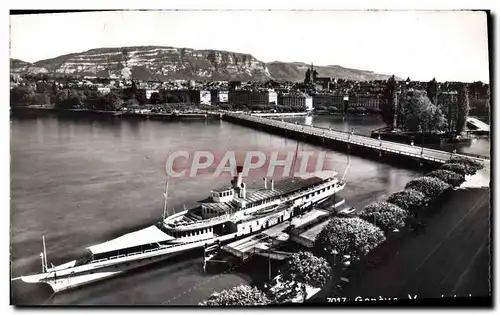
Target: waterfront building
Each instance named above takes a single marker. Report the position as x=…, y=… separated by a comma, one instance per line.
x=223, y=97
x=150, y=92
x=219, y=97
x=253, y=97
x=296, y=99
x=104, y=90
x=366, y=101
x=205, y=98
x=328, y=100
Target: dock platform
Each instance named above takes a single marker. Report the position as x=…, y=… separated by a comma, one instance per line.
x=264, y=241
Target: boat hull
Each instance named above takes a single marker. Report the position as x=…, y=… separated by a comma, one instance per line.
x=59, y=284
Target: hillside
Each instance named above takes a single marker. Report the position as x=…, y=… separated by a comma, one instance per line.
x=294, y=71
x=162, y=63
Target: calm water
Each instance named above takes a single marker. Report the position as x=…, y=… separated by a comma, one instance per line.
x=83, y=182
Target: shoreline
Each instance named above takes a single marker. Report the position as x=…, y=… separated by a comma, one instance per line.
x=35, y=112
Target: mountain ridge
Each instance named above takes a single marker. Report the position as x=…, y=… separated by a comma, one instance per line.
x=166, y=62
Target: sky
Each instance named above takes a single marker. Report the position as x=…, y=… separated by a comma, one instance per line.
x=447, y=45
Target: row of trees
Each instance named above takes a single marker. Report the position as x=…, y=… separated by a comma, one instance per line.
x=71, y=99
x=25, y=95
x=66, y=99
x=356, y=236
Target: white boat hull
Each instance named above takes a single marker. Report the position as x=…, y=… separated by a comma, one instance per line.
x=59, y=284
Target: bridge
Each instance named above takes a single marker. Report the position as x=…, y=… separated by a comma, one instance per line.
x=478, y=124
x=350, y=142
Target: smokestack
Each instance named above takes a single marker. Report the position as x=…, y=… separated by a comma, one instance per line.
x=239, y=175
x=243, y=191
x=272, y=184
x=238, y=178
x=265, y=182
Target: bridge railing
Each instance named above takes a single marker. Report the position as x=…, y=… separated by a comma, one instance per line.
x=369, y=142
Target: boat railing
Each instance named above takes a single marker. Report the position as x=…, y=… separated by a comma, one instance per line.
x=300, y=192
x=199, y=223
x=143, y=252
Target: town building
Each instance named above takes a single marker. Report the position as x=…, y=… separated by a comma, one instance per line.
x=104, y=90
x=219, y=97
x=150, y=92
x=252, y=97
x=205, y=98
x=366, y=101
x=328, y=100
x=296, y=100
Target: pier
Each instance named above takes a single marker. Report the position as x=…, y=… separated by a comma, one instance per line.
x=478, y=126
x=355, y=144
x=262, y=243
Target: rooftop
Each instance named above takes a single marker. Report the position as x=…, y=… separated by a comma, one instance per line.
x=281, y=187
x=223, y=188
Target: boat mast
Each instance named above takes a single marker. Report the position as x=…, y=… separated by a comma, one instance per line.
x=44, y=253
x=165, y=202
x=295, y=160
x=43, y=265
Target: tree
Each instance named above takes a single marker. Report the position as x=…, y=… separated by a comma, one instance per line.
x=473, y=165
x=385, y=215
x=68, y=99
x=225, y=107
x=155, y=98
x=21, y=96
x=388, y=105
x=432, y=90
x=349, y=236
x=463, y=108
x=431, y=187
x=40, y=99
x=93, y=100
x=112, y=101
x=418, y=114
x=410, y=200
x=242, y=295
x=458, y=168
x=303, y=268
x=449, y=177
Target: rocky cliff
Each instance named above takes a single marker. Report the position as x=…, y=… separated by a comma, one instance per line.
x=162, y=63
